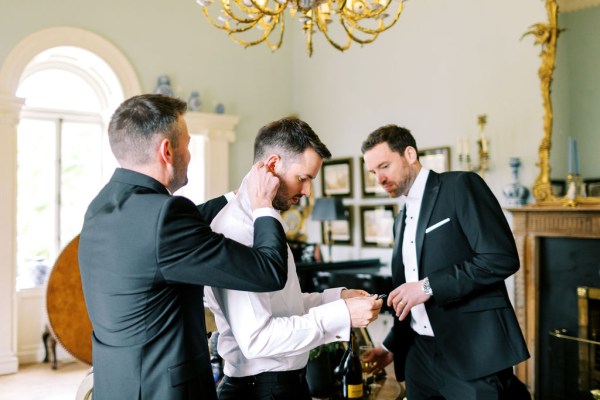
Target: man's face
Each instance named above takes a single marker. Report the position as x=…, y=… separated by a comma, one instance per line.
x=393, y=171
x=295, y=177
x=181, y=157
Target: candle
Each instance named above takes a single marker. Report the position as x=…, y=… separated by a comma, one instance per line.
x=576, y=157
x=459, y=149
x=466, y=146
x=484, y=147
x=571, y=167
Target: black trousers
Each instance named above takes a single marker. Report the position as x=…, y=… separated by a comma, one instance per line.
x=284, y=385
x=429, y=377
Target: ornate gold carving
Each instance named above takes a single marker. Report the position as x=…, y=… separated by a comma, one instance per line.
x=546, y=35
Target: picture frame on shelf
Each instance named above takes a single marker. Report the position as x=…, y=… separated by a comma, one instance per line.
x=558, y=187
x=592, y=187
x=342, y=230
x=336, y=177
x=369, y=185
x=376, y=223
x=435, y=158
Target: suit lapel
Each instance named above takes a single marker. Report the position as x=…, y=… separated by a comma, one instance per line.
x=397, y=264
x=432, y=188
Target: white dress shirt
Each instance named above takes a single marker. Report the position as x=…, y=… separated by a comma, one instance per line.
x=419, y=321
x=273, y=331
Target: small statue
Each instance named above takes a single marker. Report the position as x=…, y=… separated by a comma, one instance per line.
x=219, y=108
x=163, y=86
x=194, y=102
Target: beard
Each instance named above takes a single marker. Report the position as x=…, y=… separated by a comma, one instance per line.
x=281, y=201
x=179, y=178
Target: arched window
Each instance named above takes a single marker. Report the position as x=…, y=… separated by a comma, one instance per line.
x=63, y=155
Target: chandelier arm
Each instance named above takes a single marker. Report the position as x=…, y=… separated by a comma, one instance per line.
x=277, y=45
x=323, y=28
x=225, y=26
x=265, y=10
x=229, y=11
x=245, y=43
x=370, y=31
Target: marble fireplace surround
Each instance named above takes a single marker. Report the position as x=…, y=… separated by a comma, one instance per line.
x=530, y=224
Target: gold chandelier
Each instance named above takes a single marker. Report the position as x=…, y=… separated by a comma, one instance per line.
x=361, y=20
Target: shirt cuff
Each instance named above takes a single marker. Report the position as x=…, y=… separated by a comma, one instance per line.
x=332, y=294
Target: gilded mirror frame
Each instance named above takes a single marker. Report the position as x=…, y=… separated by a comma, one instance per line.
x=546, y=35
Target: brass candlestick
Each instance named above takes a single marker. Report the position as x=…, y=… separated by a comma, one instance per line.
x=483, y=154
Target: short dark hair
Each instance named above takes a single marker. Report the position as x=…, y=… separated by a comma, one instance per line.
x=396, y=137
x=138, y=120
x=288, y=136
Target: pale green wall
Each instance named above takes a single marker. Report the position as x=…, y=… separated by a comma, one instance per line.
x=576, y=93
x=174, y=38
x=444, y=63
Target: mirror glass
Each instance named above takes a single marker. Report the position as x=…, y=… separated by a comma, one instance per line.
x=576, y=95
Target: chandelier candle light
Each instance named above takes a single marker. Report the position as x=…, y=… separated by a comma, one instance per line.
x=360, y=21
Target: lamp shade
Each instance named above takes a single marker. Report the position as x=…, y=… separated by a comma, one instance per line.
x=328, y=209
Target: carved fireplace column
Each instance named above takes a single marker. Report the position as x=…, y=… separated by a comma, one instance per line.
x=531, y=223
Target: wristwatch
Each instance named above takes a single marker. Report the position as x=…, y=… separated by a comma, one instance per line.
x=426, y=288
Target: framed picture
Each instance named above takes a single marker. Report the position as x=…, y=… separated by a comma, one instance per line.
x=558, y=187
x=370, y=187
x=376, y=223
x=341, y=231
x=592, y=186
x=336, y=177
x=436, y=158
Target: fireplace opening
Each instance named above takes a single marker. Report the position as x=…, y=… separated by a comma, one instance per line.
x=569, y=318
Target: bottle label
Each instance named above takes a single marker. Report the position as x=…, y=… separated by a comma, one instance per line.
x=355, y=391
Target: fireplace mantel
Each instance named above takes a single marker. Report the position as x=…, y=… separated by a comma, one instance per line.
x=529, y=224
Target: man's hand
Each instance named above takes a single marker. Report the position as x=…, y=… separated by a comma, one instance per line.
x=363, y=310
x=405, y=297
x=262, y=186
x=376, y=359
x=348, y=293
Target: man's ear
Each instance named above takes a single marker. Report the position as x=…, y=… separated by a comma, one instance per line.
x=272, y=161
x=165, y=151
x=410, y=153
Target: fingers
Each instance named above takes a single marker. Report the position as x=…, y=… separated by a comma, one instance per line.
x=262, y=186
x=347, y=293
x=377, y=359
x=363, y=310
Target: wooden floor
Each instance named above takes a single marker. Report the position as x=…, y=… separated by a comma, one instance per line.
x=40, y=382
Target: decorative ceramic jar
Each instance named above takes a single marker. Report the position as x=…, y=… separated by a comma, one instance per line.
x=515, y=193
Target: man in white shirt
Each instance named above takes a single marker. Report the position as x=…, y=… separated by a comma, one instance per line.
x=265, y=338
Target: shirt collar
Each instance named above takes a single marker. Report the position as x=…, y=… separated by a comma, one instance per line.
x=418, y=187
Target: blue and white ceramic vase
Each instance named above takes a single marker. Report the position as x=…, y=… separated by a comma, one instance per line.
x=515, y=193
x=163, y=86
x=194, y=102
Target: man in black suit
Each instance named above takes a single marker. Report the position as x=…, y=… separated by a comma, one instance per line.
x=144, y=256
x=456, y=335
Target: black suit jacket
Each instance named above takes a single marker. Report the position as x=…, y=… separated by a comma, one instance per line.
x=467, y=260
x=144, y=257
